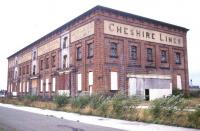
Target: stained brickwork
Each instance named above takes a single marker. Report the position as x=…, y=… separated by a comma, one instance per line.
x=126, y=62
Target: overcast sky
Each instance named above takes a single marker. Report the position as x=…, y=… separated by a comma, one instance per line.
x=24, y=21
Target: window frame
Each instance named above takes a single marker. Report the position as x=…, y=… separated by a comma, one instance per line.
x=53, y=60
x=34, y=69
x=64, y=61
x=177, y=59
x=78, y=53
x=163, y=56
x=41, y=64
x=149, y=55
x=133, y=53
x=27, y=69
x=113, y=50
x=90, y=50
x=47, y=63
x=64, y=46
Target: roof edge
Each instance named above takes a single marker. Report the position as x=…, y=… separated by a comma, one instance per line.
x=98, y=7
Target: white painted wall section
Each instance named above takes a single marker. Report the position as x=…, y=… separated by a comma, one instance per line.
x=79, y=81
x=27, y=87
x=54, y=84
x=64, y=92
x=41, y=85
x=24, y=85
x=159, y=93
x=90, y=78
x=132, y=86
x=47, y=85
x=179, y=84
x=114, y=81
x=20, y=87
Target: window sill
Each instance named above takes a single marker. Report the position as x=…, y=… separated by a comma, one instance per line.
x=164, y=62
x=78, y=59
x=113, y=56
x=89, y=57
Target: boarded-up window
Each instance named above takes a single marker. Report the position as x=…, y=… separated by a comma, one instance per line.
x=79, y=82
x=47, y=85
x=90, y=78
x=24, y=85
x=179, y=85
x=20, y=87
x=132, y=86
x=27, y=87
x=41, y=85
x=54, y=84
x=114, y=81
x=11, y=87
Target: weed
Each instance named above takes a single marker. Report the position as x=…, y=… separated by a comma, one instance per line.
x=60, y=100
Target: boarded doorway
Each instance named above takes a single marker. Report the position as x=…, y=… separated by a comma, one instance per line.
x=132, y=86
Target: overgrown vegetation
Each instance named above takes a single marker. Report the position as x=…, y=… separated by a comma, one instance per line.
x=172, y=110
x=60, y=100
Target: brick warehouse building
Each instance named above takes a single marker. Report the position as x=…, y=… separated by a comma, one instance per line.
x=103, y=50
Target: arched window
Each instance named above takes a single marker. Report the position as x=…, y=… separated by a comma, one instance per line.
x=64, y=42
x=34, y=68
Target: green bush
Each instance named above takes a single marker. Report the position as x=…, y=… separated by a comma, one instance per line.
x=176, y=92
x=167, y=106
x=60, y=100
x=80, y=101
x=195, y=93
x=194, y=118
x=31, y=98
x=103, y=109
x=96, y=100
x=124, y=106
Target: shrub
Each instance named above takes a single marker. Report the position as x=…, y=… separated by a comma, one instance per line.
x=195, y=93
x=31, y=97
x=167, y=106
x=103, y=109
x=176, y=91
x=96, y=100
x=123, y=106
x=194, y=118
x=80, y=101
x=60, y=100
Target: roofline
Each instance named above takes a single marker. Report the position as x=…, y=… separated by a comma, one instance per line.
x=91, y=11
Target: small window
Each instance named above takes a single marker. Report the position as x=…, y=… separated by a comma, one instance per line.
x=78, y=55
x=24, y=69
x=47, y=63
x=41, y=64
x=34, y=69
x=64, y=61
x=113, y=50
x=163, y=56
x=53, y=61
x=133, y=52
x=20, y=71
x=27, y=69
x=178, y=58
x=149, y=54
x=90, y=50
x=34, y=55
x=64, y=42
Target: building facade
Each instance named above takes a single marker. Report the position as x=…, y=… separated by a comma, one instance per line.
x=103, y=50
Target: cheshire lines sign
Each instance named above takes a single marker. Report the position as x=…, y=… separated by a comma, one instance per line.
x=118, y=29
